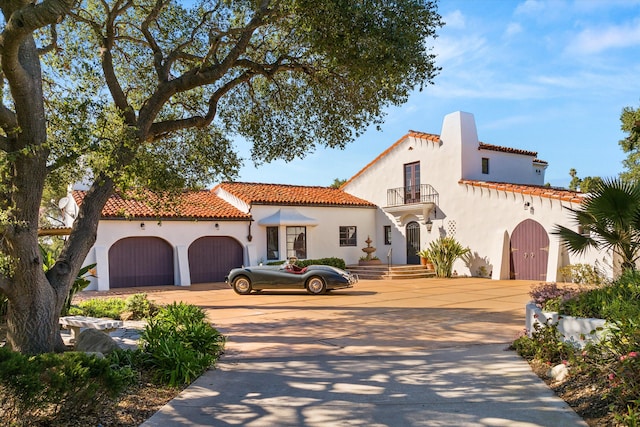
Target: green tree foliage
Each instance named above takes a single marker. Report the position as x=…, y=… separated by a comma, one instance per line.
x=608, y=219
x=630, y=119
x=156, y=95
x=586, y=184
x=337, y=183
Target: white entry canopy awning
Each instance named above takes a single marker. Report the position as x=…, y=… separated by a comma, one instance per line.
x=287, y=216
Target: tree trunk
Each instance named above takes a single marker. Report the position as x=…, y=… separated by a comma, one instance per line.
x=32, y=319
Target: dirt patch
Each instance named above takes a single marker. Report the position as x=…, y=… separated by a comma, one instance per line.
x=582, y=393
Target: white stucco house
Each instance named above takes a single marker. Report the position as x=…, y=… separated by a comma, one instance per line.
x=490, y=198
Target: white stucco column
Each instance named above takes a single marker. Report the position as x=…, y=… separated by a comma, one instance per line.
x=182, y=277
x=553, y=261
x=502, y=264
x=102, y=267
x=252, y=255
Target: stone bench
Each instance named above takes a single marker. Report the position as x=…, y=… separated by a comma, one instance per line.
x=75, y=323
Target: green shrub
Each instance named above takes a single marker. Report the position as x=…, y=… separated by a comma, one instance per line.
x=138, y=306
x=100, y=307
x=333, y=262
x=620, y=300
x=179, y=344
x=53, y=386
x=443, y=252
x=545, y=344
x=582, y=274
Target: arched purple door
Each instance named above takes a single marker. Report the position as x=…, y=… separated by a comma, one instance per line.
x=212, y=257
x=140, y=261
x=529, y=251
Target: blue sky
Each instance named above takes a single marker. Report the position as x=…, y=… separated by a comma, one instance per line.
x=548, y=76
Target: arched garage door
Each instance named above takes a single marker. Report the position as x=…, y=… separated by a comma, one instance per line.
x=140, y=261
x=211, y=258
x=529, y=251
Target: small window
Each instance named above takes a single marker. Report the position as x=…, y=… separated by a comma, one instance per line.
x=297, y=242
x=348, y=236
x=272, y=243
x=387, y=234
x=485, y=165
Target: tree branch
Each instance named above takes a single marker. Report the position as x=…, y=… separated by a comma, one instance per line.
x=160, y=129
x=193, y=78
x=54, y=41
x=111, y=78
x=162, y=72
x=21, y=24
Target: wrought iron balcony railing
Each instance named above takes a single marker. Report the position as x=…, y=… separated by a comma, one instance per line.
x=423, y=193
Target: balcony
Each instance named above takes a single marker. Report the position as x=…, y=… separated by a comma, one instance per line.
x=419, y=200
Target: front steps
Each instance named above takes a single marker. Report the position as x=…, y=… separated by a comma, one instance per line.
x=383, y=271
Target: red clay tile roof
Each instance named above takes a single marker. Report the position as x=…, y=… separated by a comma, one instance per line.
x=189, y=205
x=533, y=190
x=279, y=194
x=492, y=147
x=422, y=135
x=544, y=162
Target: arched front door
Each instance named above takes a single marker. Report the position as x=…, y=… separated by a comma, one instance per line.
x=212, y=257
x=529, y=251
x=413, y=242
x=140, y=261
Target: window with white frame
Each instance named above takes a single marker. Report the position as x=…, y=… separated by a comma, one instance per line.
x=348, y=235
x=297, y=242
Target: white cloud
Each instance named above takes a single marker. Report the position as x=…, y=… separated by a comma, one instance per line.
x=512, y=29
x=596, y=40
x=454, y=19
x=462, y=49
x=530, y=7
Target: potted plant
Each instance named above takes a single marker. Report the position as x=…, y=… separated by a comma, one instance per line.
x=424, y=259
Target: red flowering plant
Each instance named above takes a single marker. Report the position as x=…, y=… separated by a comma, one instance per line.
x=550, y=296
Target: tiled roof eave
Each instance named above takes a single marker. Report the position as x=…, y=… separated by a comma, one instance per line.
x=311, y=204
x=529, y=190
x=174, y=218
x=491, y=147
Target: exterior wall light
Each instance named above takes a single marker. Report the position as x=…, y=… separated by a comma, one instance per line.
x=526, y=205
x=216, y=226
x=142, y=226
x=429, y=225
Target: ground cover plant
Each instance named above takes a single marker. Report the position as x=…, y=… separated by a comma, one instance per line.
x=126, y=387
x=604, y=381
x=136, y=306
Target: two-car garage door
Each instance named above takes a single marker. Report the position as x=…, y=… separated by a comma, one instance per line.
x=149, y=261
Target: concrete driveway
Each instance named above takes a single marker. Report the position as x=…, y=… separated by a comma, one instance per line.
x=421, y=352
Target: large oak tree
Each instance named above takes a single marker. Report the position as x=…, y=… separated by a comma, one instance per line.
x=154, y=94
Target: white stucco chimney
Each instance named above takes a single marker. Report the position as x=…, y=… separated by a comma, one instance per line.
x=460, y=137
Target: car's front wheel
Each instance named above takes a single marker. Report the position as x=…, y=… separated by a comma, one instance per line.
x=316, y=286
x=242, y=285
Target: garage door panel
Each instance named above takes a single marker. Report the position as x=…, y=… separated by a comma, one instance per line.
x=211, y=258
x=140, y=261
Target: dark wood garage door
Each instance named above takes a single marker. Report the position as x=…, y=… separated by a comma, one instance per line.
x=140, y=261
x=529, y=251
x=211, y=258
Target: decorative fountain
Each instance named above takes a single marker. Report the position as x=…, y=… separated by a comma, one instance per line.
x=368, y=259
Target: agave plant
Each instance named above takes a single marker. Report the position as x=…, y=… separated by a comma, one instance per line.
x=609, y=218
x=443, y=252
